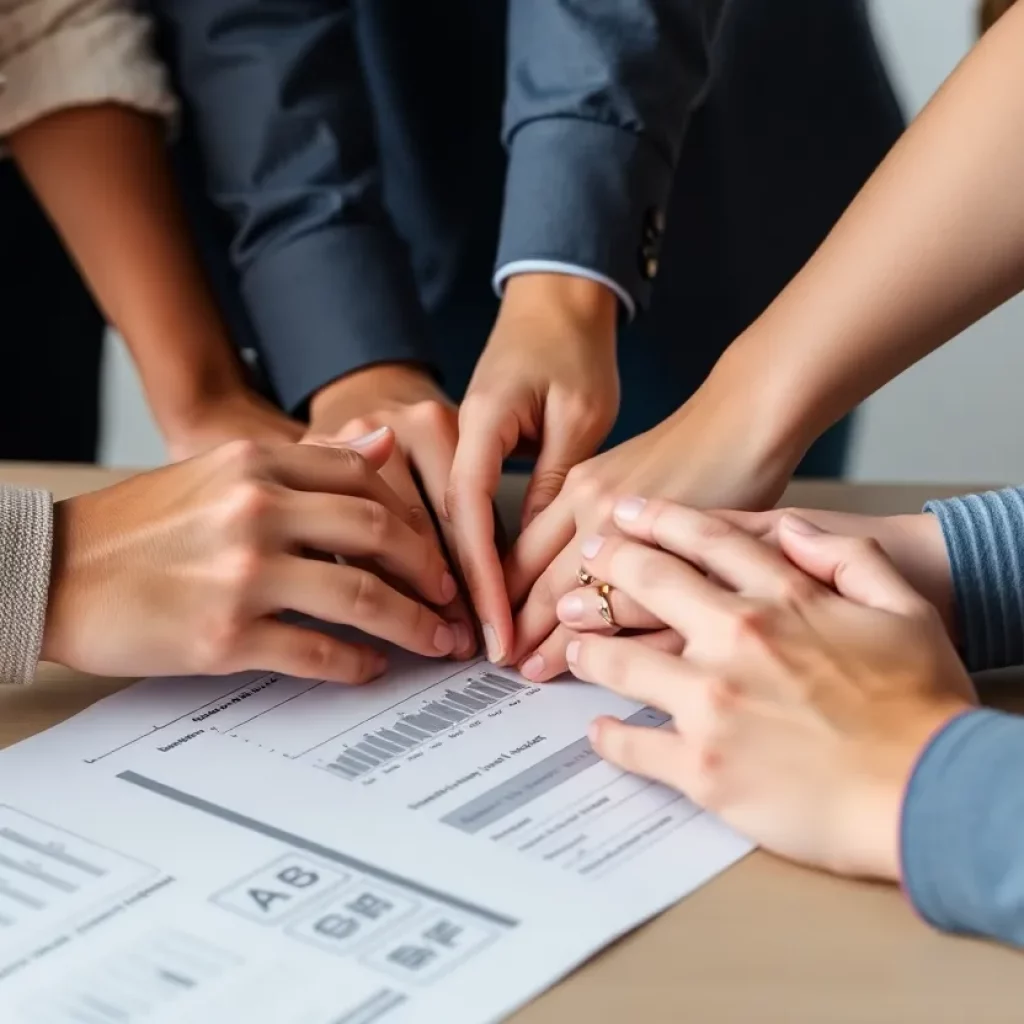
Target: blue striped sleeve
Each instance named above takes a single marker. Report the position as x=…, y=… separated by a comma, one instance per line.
x=984, y=535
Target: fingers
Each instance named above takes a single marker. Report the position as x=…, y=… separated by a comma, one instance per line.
x=352, y=596
x=273, y=646
x=486, y=437
x=670, y=589
x=375, y=447
x=433, y=459
x=656, y=754
x=537, y=547
x=361, y=528
x=856, y=567
x=538, y=616
x=333, y=469
x=633, y=670
x=722, y=550
x=565, y=443
x=580, y=609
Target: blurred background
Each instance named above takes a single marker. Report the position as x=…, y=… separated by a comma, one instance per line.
x=957, y=417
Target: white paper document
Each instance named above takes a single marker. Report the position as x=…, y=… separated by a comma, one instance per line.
x=439, y=846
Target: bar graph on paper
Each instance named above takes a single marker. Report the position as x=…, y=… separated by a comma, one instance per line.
x=398, y=735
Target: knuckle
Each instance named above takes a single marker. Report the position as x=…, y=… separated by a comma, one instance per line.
x=547, y=483
x=317, y=656
x=432, y=414
x=378, y=524
x=367, y=596
x=711, y=528
x=798, y=589
x=245, y=457
x=651, y=573
x=360, y=427
x=240, y=570
x=216, y=642
x=584, y=485
x=722, y=695
x=249, y=503
x=419, y=519
x=753, y=622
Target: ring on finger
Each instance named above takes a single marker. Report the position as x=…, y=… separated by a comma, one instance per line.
x=584, y=578
x=604, y=605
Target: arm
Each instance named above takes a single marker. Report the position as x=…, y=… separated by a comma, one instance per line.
x=26, y=536
x=984, y=537
x=282, y=114
x=598, y=101
x=933, y=242
x=81, y=116
x=962, y=832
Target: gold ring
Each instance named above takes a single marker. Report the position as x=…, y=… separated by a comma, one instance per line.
x=604, y=605
x=584, y=578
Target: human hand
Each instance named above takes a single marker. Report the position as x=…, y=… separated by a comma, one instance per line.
x=547, y=383
x=811, y=680
x=240, y=414
x=185, y=570
x=425, y=424
x=712, y=452
x=913, y=543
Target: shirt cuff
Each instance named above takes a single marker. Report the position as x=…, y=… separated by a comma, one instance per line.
x=330, y=302
x=26, y=545
x=585, y=194
x=962, y=830
x=570, y=270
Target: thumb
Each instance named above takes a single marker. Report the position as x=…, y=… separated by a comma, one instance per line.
x=855, y=567
x=375, y=447
x=562, y=448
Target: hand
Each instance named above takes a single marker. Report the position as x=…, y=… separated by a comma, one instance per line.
x=425, y=423
x=914, y=544
x=811, y=680
x=185, y=570
x=548, y=383
x=240, y=414
x=712, y=452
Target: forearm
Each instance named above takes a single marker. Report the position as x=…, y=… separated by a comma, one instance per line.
x=963, y=828
x=933, y=242
x=102, y=176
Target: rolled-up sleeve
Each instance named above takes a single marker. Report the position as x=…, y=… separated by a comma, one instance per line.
x=56, y=54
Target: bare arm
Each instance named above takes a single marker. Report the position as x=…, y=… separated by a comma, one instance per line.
x=102, y=175
x=933, y=242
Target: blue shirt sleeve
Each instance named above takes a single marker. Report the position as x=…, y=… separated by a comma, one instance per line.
x=984, y=535
x=962, y=833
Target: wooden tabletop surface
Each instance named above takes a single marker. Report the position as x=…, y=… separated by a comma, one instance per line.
x=765, y=942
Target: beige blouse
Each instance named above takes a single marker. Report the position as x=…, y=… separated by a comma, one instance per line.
x=67, y=53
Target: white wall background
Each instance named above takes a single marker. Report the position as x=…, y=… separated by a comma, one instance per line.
x=954, y=417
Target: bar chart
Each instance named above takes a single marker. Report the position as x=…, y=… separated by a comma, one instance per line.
x=408, y=730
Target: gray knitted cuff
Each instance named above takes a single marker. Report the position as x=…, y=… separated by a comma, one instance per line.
x=26, y=544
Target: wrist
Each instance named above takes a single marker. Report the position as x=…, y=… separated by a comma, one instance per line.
x=584, y=302
x=393, y=381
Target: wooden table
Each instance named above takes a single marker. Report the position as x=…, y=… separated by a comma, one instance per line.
x=766, y=942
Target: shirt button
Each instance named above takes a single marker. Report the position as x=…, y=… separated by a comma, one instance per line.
x=650, y=268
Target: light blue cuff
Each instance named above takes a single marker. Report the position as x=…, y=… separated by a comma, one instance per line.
x=569, y=269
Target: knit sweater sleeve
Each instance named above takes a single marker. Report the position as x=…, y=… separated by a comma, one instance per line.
x=26, y=539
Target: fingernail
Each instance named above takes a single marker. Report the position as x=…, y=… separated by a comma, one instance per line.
x=572, y=652
x=491, y=643
x=533, y=667
x=367, y=439
x=463, y=639
x=378, y=666
x=591, y=546
x=444, y=639
x=800, y=525
x=594, y=733
x=570, y=608
x=629, y=509
x=449, y=588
